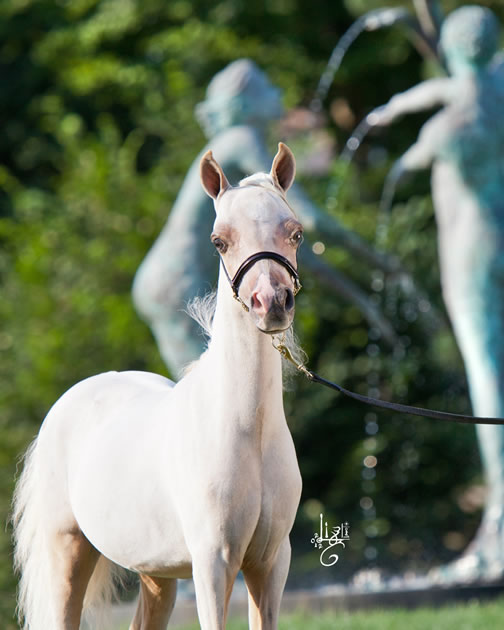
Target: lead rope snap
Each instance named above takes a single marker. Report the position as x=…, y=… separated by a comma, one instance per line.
x=243, y=305
x=279, y=345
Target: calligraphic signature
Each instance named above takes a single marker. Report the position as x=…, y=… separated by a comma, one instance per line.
x=339, y=535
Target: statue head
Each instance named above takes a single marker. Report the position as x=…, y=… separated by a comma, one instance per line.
x=239, y=94
x=469, y=39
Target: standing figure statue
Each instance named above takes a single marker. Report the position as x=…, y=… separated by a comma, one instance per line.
x=464, y=144
x=182, y=263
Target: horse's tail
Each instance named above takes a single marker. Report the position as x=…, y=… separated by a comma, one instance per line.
x=101, y=592
x=32, y=556
x=30, y=548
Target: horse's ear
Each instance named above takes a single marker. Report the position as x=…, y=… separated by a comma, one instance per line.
x=283, y=169
x=212, y=176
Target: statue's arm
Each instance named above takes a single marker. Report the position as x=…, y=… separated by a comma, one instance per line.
x=330, y=230
x=244, y=148
x=422, y=154
x=424, y=96
x=346, y=289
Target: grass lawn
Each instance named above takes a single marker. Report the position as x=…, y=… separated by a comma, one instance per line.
x=470, y=616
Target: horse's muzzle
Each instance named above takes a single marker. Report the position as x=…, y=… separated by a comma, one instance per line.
x=273, y=308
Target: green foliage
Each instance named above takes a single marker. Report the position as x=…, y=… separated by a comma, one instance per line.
x=98, y=132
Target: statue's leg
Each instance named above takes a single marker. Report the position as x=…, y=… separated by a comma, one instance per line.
x=481, y=342
x=488, y=545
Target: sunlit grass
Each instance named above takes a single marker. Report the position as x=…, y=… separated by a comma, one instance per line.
x=473, y=615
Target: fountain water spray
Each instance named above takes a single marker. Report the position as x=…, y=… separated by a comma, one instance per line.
x=371, y=21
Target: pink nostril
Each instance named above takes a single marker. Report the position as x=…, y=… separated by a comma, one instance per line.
x=262, y=296
x=261, y=302
x=264, y=300
x=256, y=302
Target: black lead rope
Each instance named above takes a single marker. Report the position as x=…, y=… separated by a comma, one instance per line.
x=383, y=404
x=235, y=282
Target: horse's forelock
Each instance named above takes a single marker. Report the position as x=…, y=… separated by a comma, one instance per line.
x=262, y=180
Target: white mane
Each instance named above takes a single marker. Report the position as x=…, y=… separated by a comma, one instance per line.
x=202, y=310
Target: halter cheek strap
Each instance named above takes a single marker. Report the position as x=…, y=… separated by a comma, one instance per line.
x=249, y=262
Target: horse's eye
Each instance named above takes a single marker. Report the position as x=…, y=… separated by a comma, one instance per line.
x=219, y=244
x=297, y=238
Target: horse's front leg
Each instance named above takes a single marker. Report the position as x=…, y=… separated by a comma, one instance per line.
x=265, y=586
x=214, y=573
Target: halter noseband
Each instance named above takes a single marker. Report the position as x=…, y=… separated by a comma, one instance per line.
x=249, y=262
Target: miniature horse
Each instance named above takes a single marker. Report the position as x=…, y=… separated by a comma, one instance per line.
x=198, y=478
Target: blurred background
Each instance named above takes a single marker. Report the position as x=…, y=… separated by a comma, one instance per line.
x=97, y=133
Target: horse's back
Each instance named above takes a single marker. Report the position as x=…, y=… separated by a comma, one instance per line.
x=100, y=407
x=146, y=381
x=109, y=389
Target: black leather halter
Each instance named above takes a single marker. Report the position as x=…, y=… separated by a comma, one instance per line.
x=249, y=262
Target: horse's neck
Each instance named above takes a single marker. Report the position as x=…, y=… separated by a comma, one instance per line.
x=244, y=368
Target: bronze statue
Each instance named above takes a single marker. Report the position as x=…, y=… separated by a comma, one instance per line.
x=464, y=145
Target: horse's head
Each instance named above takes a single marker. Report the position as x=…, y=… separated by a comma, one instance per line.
x=257, y=236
